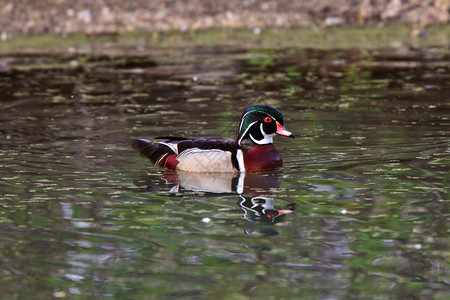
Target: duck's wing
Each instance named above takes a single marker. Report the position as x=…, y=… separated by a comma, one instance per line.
x=191, y=153
x=212, y=143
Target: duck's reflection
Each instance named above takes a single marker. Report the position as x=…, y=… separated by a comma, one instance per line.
x=225, y=183
x=254, y=191
x=261, y=210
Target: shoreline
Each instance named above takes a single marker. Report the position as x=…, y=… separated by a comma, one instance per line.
x=344, y=37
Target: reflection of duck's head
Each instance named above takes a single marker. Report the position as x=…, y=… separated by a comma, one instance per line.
x=260, y=210
x=254, y=183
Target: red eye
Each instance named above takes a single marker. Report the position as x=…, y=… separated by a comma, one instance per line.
x=267, y=120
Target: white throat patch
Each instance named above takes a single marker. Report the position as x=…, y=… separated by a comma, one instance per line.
x=268, y=138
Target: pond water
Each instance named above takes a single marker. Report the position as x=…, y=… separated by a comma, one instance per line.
x=358, y=211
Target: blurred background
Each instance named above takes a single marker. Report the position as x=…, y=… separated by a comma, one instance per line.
x=113, y=16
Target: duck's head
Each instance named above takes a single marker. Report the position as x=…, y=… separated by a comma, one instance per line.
x=260, y=123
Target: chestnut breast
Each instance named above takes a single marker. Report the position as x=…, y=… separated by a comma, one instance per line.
x=260, y=158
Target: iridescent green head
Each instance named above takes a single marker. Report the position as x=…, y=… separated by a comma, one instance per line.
x=260, y=123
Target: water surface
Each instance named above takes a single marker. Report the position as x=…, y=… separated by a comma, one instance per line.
x=359, y=210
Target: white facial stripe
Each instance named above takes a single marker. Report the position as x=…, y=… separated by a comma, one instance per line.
x=271, y=116
x=262, y=130
x=239, y=142
x=243, y=118
x=268, y=138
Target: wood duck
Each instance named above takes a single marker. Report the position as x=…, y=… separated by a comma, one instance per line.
x=251, y=151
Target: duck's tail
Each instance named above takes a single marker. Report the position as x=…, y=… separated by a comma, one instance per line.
x=156, y=152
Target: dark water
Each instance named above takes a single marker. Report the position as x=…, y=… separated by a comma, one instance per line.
x=82, y=216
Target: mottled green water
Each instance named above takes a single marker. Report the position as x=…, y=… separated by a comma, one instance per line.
x=82, y=216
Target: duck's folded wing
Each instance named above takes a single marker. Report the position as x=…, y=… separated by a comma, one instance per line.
x=206, y=154
x=223, y=144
